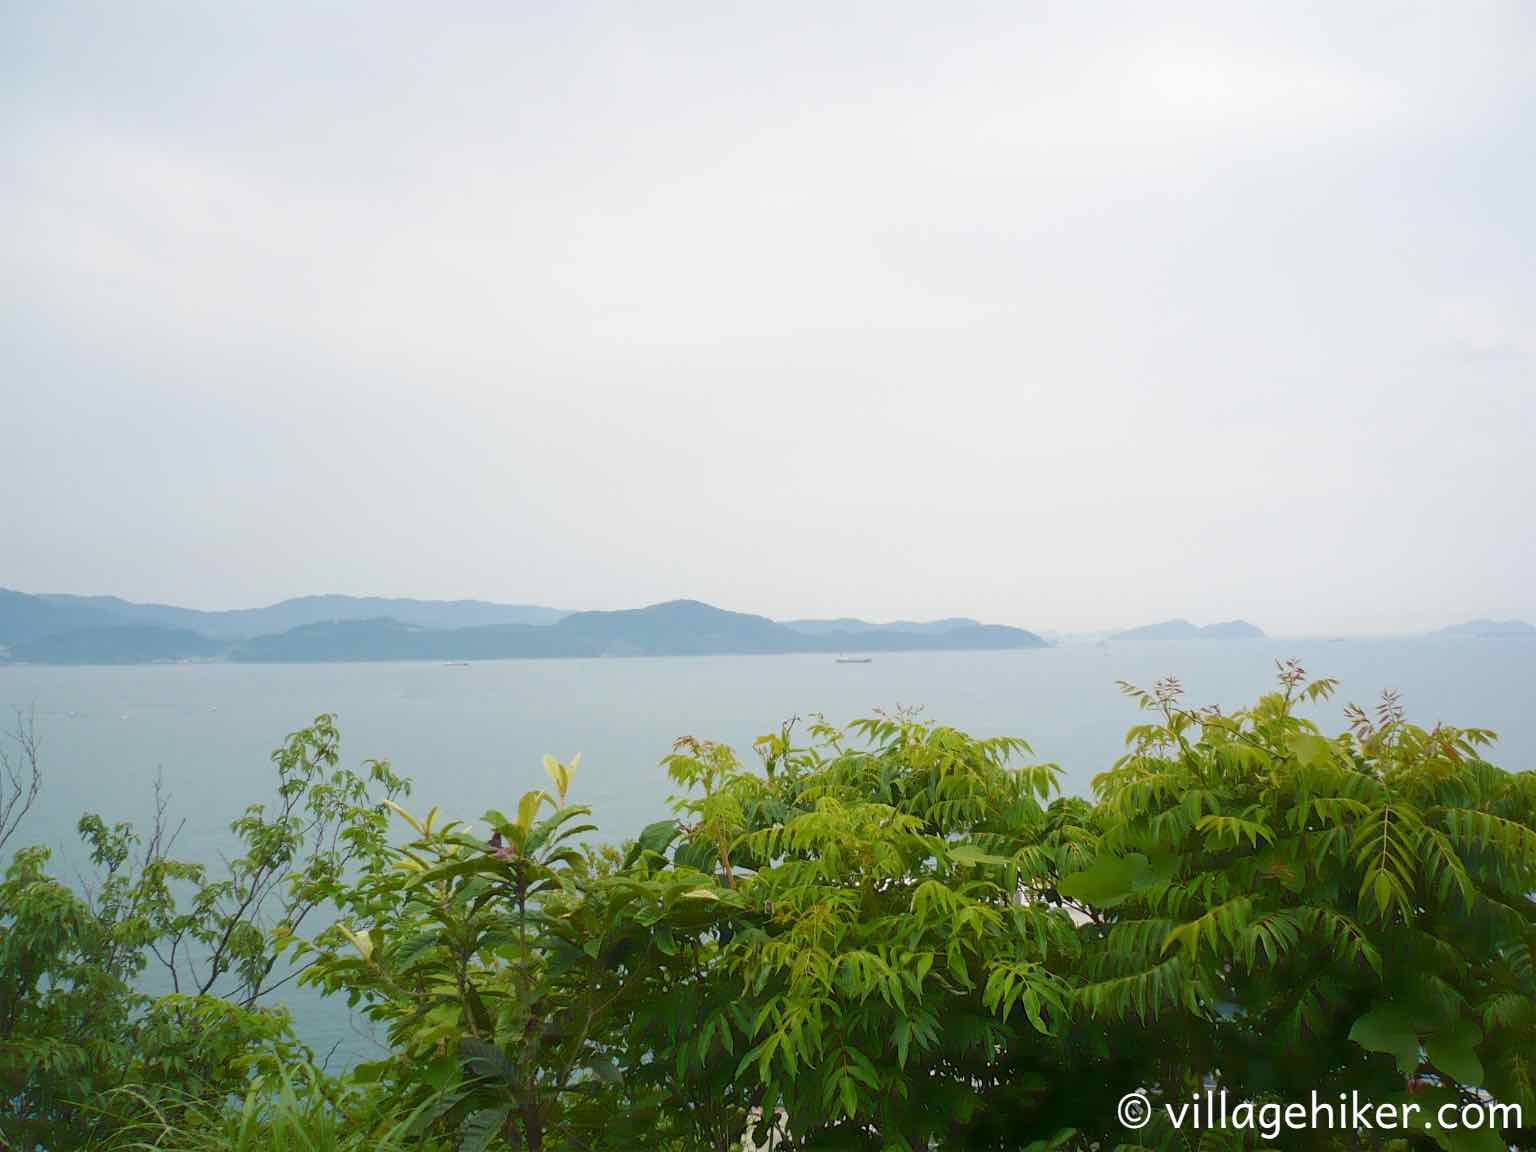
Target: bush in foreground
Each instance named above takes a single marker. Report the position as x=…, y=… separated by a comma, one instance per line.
x=892, y=935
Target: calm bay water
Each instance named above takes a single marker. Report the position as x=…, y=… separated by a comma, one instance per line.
x=472, y=737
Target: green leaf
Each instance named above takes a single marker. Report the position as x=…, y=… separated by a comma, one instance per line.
x=1108, y=881
x=441, y=1073
x=1453, y=1051
x=658, y=837
x=850, y=1096
x=487, y=1060
x=970, y=854
x=1387, y=1028
x=559, y=774
x=480, y=1128
x=1310, y=749
x=370, y=1072
x=528, y=807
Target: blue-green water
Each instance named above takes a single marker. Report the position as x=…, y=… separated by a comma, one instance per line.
x=472, y=737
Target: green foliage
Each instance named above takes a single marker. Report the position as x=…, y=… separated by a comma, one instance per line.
x=81, y=1039
x=887, y=965
x=489, y=969
x=1347, y=913
x=887, y=936
x=292, y=1109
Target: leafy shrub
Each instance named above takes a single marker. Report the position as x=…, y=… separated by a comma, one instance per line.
x=76, y=1025
x=889, y=936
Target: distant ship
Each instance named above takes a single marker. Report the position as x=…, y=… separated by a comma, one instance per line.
x=457, y=664
x=853, y=659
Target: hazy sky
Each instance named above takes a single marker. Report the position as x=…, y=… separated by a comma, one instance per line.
x=1063, y=315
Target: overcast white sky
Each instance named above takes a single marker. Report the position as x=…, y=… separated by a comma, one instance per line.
x=1062, y=315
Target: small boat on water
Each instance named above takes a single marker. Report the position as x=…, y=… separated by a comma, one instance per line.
x=854, y=659
x=457, y=664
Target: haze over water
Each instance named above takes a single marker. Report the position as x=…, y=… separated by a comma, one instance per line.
x=471, y=737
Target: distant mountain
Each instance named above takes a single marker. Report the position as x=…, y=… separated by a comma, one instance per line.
x=675, y=628
x=107, y=630
x=688, y=627
x=1232, y=630
x=850, y=625
x=123, y=644
x=1184, y=630
x=240, y=623
x=24, y=617
x=1483, y=627
x=1166, y=630
x=337, y=641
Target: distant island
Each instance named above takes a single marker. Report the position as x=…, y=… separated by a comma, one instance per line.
x=51, y=629
x=65, y=629
x=28, y=617
x=124, y=644
x=1184, y=630
x=1489, y=628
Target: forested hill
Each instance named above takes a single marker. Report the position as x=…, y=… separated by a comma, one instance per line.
x=676, y=628
x=1184, y=630
x=104, y=630
x=26, y=617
